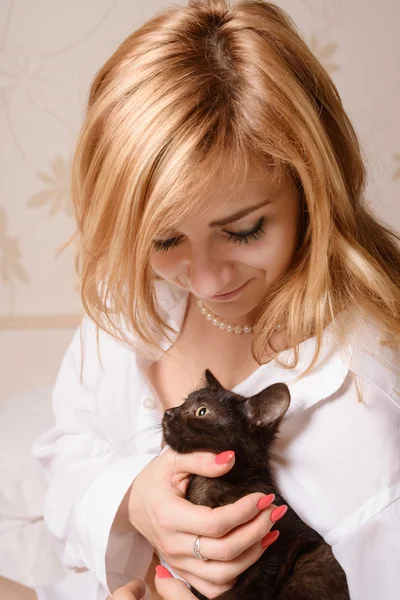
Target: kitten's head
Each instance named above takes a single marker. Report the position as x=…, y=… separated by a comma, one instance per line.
x=215, y=419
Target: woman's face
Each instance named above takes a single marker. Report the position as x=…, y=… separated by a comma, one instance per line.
x=245, y=238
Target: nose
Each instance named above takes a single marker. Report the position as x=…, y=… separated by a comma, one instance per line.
x=170, y=414
x=207, y=273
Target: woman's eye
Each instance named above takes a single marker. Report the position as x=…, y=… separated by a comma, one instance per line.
x=201, y=411
x=238, y=237
x=164, y=245
x=243, y=237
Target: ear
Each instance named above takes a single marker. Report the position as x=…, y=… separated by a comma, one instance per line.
x=212, y=381
x=267, y=407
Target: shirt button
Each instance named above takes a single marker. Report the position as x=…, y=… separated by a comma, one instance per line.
x=149, y=403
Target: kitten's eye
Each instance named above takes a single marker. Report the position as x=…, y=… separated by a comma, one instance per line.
x=201, y=411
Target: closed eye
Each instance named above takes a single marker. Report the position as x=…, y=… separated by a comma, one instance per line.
x=238, y=237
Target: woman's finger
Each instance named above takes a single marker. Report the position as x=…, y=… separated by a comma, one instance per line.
x=170, y=588
x=211, y=522
x=229, y=546
x=212, y=578
x=134, y=590
x=178, y=467
x=205, y=587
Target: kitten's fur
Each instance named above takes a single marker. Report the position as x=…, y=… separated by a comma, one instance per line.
x=300, y=564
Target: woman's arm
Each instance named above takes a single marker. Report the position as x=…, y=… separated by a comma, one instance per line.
x=85, y=507
x=366, y=542
x=11, y=590
x=370, y=556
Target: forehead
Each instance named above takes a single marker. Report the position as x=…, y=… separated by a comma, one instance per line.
x=227, y=193
x=218, y=189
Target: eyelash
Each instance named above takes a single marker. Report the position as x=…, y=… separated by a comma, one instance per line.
x=238, y=238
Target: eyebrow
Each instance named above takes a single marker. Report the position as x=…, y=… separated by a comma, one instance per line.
x=239, y=214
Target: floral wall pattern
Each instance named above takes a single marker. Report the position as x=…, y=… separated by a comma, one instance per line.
x=50, y=51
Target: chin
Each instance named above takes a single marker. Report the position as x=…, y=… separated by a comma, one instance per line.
x=174, y=439
x=180, y=446
x=233, y=310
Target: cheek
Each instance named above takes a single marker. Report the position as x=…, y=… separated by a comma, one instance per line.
x=275, y=252
x=164, y=264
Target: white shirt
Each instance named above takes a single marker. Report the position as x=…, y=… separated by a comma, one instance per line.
x=336, y=459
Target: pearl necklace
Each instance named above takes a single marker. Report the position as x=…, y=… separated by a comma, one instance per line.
x=218, y=322
x=215, y=320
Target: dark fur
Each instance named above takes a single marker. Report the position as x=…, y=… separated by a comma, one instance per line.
x=299, y=565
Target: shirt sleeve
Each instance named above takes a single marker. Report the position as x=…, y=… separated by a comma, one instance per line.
x=370, y=556
x=87, y=477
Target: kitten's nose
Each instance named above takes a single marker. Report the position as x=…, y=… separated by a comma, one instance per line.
x=170, y=414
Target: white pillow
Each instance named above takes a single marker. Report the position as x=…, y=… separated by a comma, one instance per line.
x=26, y=553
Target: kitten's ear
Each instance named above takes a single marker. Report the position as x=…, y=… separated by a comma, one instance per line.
x=212, y=381
x=267, y=407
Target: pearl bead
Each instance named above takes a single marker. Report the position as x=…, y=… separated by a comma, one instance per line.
x=219, y=322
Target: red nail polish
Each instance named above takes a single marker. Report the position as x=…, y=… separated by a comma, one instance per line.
x=278, y=513
x=270, y=538
x=162, y=572
x=224, y=457
x=266, y=501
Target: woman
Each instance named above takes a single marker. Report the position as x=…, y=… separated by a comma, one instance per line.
x=221, y=223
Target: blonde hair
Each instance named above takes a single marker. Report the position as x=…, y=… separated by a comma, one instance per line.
x=191, y=87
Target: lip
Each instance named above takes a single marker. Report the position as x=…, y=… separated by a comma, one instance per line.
x=233, y=294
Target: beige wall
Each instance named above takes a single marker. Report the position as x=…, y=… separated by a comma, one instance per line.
x=49, y=52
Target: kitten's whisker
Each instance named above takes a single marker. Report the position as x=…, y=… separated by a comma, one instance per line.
x=142, y=413
x=155, y=429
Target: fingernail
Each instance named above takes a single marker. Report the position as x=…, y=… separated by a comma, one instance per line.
x=162, y=572
x=270, y=538
x=265, y=501
x=224, y=457
x=278, y=513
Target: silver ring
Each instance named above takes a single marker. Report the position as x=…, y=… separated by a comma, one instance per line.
x=196, y=549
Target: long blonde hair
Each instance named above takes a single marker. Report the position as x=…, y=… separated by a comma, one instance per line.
x=191, y=87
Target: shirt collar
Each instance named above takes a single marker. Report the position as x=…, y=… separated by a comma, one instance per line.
x=326, y=377
x=173, y=301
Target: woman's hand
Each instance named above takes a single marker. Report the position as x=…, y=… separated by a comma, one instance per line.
x=171, y=588
x=134, y=590
x=230, y=535
x=167, y=587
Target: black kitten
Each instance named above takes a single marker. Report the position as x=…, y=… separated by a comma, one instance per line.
x=300, y=565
